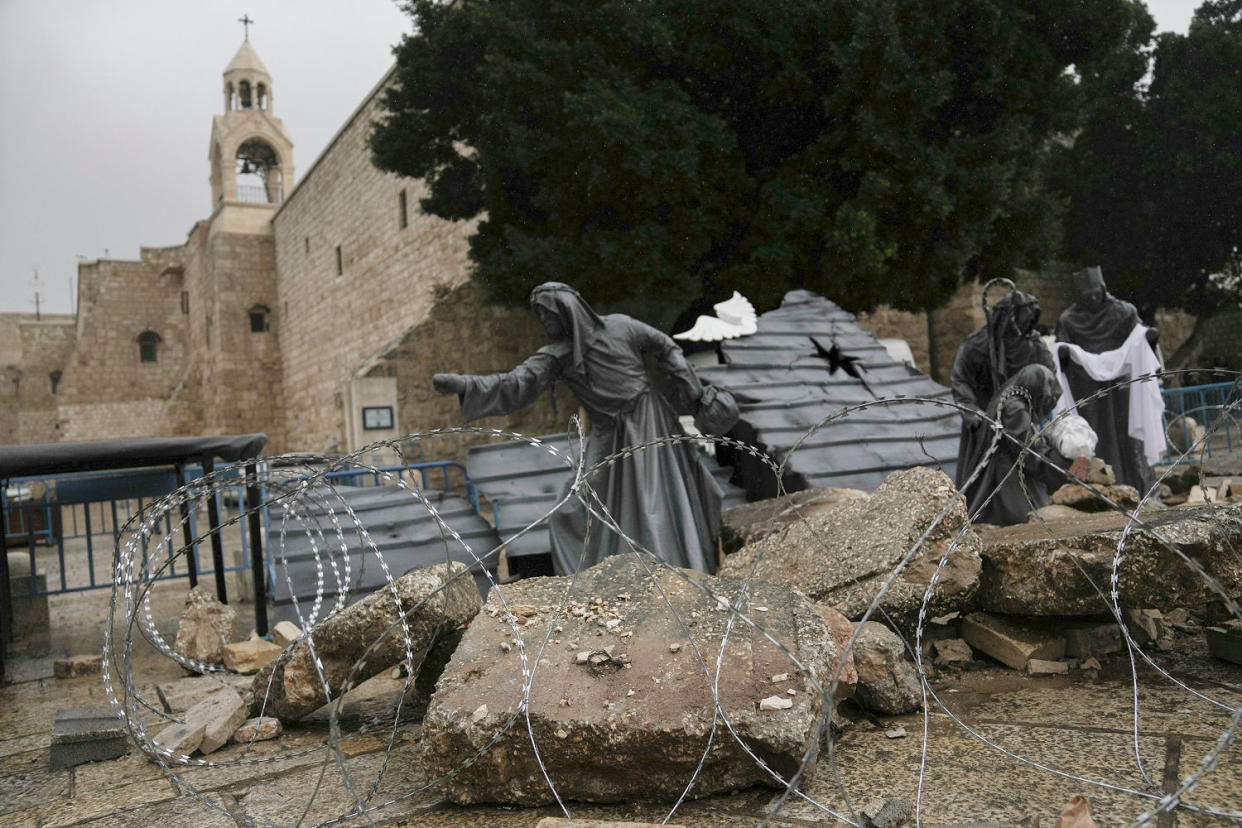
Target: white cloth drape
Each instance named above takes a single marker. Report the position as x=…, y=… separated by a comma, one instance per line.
x=1134, y=358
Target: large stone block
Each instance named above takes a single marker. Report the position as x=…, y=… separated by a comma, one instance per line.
x=438, y=601
x=841, y=555
x=623, y=700
x=1061, y=567
x=86, y=734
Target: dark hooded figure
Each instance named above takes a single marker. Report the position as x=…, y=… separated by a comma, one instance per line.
x=662, y=497
x=991, y=356
x=1099, y=322
x=1020, y=406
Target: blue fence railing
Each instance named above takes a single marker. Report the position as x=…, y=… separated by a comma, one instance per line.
x=1211, y=413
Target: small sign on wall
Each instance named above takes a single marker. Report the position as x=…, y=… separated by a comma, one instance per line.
x=377, y=417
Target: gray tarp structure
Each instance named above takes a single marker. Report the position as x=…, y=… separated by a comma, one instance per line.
x=785, y=389
x=401, y=528
x=522, y=482
x=101, y=455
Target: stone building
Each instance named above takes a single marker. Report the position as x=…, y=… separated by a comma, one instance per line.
x=314, y=313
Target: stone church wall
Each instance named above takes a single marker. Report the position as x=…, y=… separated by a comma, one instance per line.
x=30, y=351
x=333, y=321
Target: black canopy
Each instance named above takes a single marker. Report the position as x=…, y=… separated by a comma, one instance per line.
x=97, y=455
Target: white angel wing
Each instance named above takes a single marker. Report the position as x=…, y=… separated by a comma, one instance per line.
x=738, y=312
x=708, y=329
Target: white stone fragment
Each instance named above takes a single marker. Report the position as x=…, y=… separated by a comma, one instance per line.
x=775, y=703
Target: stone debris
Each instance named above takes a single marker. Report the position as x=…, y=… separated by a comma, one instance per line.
x=250, y=655
x=207, y=726
x=654, y=739
x=1092, y=499
x=1058, y=569
x=206, y=626
x=1200, y=495
x=182, y=694
x=437, y=606
x=895, y=733
x=479, y=714
x=1051, y=512
x=1042, y=667
x=841, y=630
x=952, y=651
x=1089, y=664
x=779, y=677
x=285, y=633
x=751, y=522
x=841, y=555
x=79, y=665
x=1100, y=473
x=258, y=729
x=775, y=703
x=1093, y=640
x=887, y=682
x=1146, y=625
x=86, y=734
x=1225, y=642
x=894, y=812
x=1010, y=642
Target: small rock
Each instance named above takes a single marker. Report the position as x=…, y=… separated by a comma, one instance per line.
x=1089, y=663
x=258, y=729
x=285, y=633
x=205, y=626
x=505, y=646
x=79, y=665
x=896, y=733
x=207, y=726
x=674, y=647
x=775, y=703
x=779, y=677
x=479, y=714
x=887, y=682
x=1040, y=667
x=952, y=651
x=525, y=610
x=249, y=656
x=1100, y=473
x=584, y=656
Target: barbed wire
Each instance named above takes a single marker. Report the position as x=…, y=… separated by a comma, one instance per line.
x=300, y=490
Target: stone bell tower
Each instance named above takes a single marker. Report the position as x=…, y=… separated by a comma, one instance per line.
x=251, y=155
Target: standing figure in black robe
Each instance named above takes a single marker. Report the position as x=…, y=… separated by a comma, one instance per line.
x=663, y=497
x=1099, y=322
x=1020, y=406
x=991, y=356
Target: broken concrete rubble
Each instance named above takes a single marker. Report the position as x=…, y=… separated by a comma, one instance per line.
x=249, y=655
x=80, y=665
x=1060, y=568
x=1092, y=499
x=258, y=729
x=842, y=555
x=438, y=601
x=206, y=626
x=887, y=681
x=182, y=694
x=285, y=633
x=1009, y=641
x=751, y=522
x=635, y=721
x=206, y=726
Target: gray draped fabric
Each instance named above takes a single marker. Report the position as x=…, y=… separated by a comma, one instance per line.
x=1098, y=322
x=662, y=497
x=1023, y=402
x=990, y=357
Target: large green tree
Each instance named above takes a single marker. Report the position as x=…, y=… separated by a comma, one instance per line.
x=871, y=150
x=1153, y=178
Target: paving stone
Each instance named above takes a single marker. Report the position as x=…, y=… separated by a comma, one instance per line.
x=249, y=656
x=1010, y=642
x=79, y=665
x=86, y=734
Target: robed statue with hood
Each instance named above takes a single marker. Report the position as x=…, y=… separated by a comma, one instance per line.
x=1112, y=346
x=661, y=496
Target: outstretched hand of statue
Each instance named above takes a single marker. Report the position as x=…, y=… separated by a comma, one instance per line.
x=449, y=383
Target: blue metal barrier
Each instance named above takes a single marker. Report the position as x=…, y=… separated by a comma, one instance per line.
x=1217, y=407
x=88, y=506
x=350, y=477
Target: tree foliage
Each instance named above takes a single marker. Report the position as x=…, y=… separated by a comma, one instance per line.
x=875, y=151
x=1153, y=178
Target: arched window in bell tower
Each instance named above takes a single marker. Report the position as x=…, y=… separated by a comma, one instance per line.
x=229, y=102
x=243, y=90
x=258, y=173
x=260, y=96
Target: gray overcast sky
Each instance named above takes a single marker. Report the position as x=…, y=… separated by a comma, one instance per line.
x=107, y=108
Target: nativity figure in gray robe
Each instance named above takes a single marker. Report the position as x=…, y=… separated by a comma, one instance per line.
x=661, y=496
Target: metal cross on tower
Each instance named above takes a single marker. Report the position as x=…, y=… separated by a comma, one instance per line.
x=245, y=21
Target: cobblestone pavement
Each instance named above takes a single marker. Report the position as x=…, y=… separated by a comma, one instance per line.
x=1081, y=724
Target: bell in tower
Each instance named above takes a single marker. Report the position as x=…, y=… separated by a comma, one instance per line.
x=251, y=155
